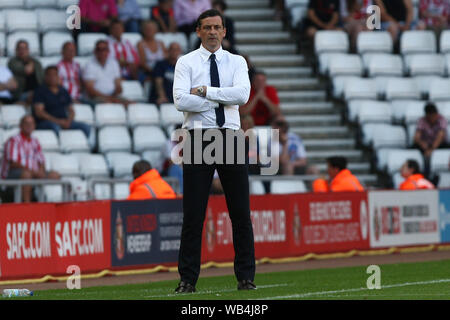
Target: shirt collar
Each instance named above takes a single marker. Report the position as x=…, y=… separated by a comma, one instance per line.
x=205, y=54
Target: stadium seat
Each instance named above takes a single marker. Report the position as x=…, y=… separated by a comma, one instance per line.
x=297, y=14
x=73, y=141
x=374, y=111
x=48, y=160
x=31, y=37
x=353, y=107
x=424, y=83
x=33, y=4
x=286, y=187
x=385, y=65
x=107, y=114
x=121, y=190
x=425, y=64
x=64, y=4
x=93, y=165
x=121, y=163
x=414, y=41
x=389, y=137
x=447, y=63
x=3, y=47
x=439, y=90
x=325, y=58
x=65, y=164
x=53, y=41
x=369, y=41
x=114, y=138
x=396, y=158
x=79, y=188
x=369, y=129
x=360, y=89
x=102, y=191
x=381, y=158
x=148, y=138
x=257, y=187
x=397, y=180
x=444, y=180
x=134, y=38
x=48, y=61
x=398, y=108
x=21, y=20
x=168, y=38
x=444, y=42
x=86, y=42
x=402, y=88
x=52, y=193
x=132, y=90
x=170, y=115
x=350, y=64
x=414, y=110
x=338, y=85
x=52, y=20
x=8, y=133
x=331, y=41
x=444, y=109
x=48, y=140
x=4, y=4
x=11, y=114
x=154, y=157
x=145, y=13
x=2, y=22
x=84, y=113
x=411, y=131
x=440, y=160
x=143, y=114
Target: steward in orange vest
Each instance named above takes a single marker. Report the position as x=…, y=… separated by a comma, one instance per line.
x=148, y=184
x=413, y=178
x=341, y=178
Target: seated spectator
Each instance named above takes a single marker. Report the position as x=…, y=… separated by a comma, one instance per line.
x=292, y=151
x=162, y=89
x=322, y=15
x=186, y=14
x=164, y=16
x=169, y=168
x=150, y=50
x=431, y=133
x=354, y=17
x=7, y=85
x=96, y=15
x=101, y=76
x=413, y=178
x=27, y=71
x=129, y=14
x=148, y=184
x=53, y=107
x=228, y=42
x=23, y=158
x=263, y=104
x=70, y=71
x=435, y=14
x=398, y=16
x=340, y=178
x=123, y=51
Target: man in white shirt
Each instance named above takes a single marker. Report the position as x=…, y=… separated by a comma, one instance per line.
x=7, y=84
x=209, y=85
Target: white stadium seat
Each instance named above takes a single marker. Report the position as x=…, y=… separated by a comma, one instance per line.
x=447, y=63
x=353, y=107
x=8, y=133
x=64, y=4
x=325, y=58
x=360, y=89
x=414, y=41
x=121, y=190
x=385, y=65
x=444, y=42
x=425, y=64
x=440, y=160
x=396, y=158
x=2, y=22
x=444, y=109
x=47, y=139
x=398, y=108
x=52, y=193
x=369, y=41
x=84, y=113
x=424, y=84
x=338, y=84
x=170, y=114
x=107, y=114
x=397, y=180
x=374, y=111
x=30, y=36
x=257, y=187
x=350, y=64
x=285, y=187
x=121, y=163
x=86, y=42
x=444, y=180
x=369, y=129
x=53, y=41
x=154, y=157
x=133, y=37
x=148, y=138
x=414, y=110
x=73, y=141
x=52, y=20
x=440, y=90
x=331, y=41
x=132, y=90
x=31, y=4
x=168, y=38
x=79, y=188
x=93, y=165
x=114, y=138
x=12, y=4
x=3, y=46
x=65, y=164
x=390, y=137
x=21, y=20
x=411, y=131
x=402, y=88
x=143, y=114
x=381, y=158
x=11, y=114
x=48, y=61
x=297, y=14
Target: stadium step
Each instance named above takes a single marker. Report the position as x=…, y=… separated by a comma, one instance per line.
x=297, y=108
x=247, y=4
x=293, y=60
x=351, y=155
x=267, y=37
x=295, y=84
x=254, y=14
x=296, y=96
x=316, y=120
x=287, y=72
x=261, y=26
x=329, y=144
x=264, y=49
x=354, y=167
x=328, y=132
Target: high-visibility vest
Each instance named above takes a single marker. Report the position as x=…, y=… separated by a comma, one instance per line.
x=416, y=181
x=150, y=185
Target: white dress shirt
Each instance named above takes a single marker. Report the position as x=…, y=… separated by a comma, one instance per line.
x=104, y=76
x=192, y=71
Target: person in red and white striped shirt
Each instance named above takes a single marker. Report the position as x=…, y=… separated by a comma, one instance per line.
x=123, y=51
x=23, y=158
x=70, y=71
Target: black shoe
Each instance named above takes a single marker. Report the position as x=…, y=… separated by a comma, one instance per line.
x=184, y=287
x=246, y=285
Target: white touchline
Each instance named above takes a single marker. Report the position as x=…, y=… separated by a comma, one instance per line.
x=308, y=294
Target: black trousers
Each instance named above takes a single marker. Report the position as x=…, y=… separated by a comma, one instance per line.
x=197, y=179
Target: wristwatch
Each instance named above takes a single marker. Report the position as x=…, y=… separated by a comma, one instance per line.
x=201, y=91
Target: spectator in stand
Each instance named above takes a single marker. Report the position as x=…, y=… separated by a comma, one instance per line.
x=148, y=184
x=263, y=104
x=96, y=15
x=164, y=16
x=150, y=50
x=413, y=178
x=340, y=178
x=102, y=78
x=354, y=17
x=27, y=71
x=322, y=15
x=53, y=106
x=398, y=16
x=129, y=14
x=162, y=89
x=431, y=133
x=70, y=71
x=435, y=14
x=23, y=158
x=186, y=14
x=7, y=85
x=123, y=51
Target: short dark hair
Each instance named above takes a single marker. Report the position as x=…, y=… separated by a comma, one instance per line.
x=140, y=167
x=430, y=108
x=50, y=68
x=115, y=21
x=414, y=165
x=337, y=162
x=101, y=41
x=207, y=14
x=66, y=44
x=20, y=42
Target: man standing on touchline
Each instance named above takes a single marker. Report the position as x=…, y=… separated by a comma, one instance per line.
x=209, y=85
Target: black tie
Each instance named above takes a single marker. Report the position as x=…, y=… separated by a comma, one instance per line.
x=215, y=82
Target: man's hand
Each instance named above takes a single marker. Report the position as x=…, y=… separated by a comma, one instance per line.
x=161, y=100
x=29, y=68
x=39, y=174
x=197, y=92
x=65, y=123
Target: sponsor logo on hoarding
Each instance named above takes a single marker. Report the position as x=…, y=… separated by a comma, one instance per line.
x=79, y=237
x=28, y=240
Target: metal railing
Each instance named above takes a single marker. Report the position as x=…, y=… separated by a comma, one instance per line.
x=17, y=184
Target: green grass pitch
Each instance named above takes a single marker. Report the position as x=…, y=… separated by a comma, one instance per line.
x=426, y=280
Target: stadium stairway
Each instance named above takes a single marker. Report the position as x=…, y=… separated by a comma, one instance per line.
x=303, y=95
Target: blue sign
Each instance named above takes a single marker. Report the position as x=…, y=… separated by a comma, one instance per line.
x=145, y=232
x=444, y=215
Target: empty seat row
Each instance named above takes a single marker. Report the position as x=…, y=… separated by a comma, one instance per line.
x=37, y=4
x=39, y=20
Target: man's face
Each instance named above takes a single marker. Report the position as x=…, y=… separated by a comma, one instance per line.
x=117, y=30
x=150, y=29
x=23, y=51
x=405, y=171
x=259, y=82
x=211, y=32
x=174, y=51
x=102, y=52
x=52, y=78
x=69, y=51
x=432, y=118
x=27, y=125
